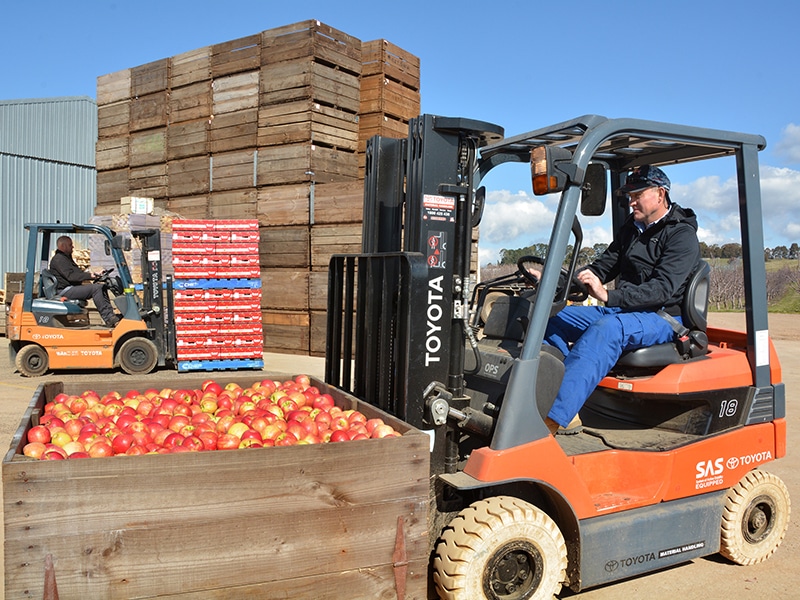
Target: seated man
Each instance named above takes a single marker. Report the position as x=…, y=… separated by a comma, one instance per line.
x=70, y=277
x=653, y=256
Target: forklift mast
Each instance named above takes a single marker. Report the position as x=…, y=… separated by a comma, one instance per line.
x=413, y=276
x=157, y=301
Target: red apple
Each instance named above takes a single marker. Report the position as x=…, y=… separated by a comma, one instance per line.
x=382, y=431
x=34, y=449
x=121, y=443
x=339, y=435
x=226, y=441
x=39, y=433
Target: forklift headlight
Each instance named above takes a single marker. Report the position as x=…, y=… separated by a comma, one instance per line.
x=547, y=178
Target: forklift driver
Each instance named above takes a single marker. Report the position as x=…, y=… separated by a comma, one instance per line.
x=653, y=256
x=70, y=277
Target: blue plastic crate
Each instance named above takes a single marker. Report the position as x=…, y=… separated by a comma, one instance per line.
x=212, y=284
x=232, y=364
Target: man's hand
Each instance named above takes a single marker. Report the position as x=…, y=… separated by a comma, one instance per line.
x=593, y=283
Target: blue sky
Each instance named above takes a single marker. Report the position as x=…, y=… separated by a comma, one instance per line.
x=726, y=64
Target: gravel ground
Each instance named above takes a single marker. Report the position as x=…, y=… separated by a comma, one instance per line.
x=709, y=578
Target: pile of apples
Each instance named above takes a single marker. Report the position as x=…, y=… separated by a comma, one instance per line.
x=267, y=413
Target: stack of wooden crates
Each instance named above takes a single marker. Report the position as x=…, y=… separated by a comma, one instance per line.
x=271, y=127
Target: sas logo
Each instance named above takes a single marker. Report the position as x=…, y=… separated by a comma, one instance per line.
x=709, y=468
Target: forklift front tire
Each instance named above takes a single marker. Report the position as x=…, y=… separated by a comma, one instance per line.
x=137, y=356
x=32, y=360
x=500, y=548
x=755, y=518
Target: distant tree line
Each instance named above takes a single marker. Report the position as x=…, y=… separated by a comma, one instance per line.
x=729, y=251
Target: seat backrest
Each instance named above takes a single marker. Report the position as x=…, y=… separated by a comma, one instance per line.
x=47, y=284
x=695, y=298
x=695, y=318
x=508, y=319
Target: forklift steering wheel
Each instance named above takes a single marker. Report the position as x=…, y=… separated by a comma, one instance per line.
x=103, y=275
x=577, y=291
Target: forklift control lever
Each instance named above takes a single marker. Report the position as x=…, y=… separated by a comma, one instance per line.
x=437, y=403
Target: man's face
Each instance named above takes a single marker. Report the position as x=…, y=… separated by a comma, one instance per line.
x=647, y=205
x=67, y=247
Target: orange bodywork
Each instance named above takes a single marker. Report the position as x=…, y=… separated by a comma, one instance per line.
x=67, y=347
x=605, y=482
x=610, y=481
x=725, y=366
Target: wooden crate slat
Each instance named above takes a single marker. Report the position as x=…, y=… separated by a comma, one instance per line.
x=293, y=163
x=327, y=240
x=114, y=87
x=111, y=186
x=340, y=202
x=381, y=57
x=284, y=247
x=285, y=289
x=135, y=517
x=191, y=67
x=243, y=54
x=382, y=95
x=112, y=153
x=150, y=78
x=233, y=131
x=286, y=331
x=235, y=92
x=306, y=121
x=189, y=207
x=302, y=79
x=149, y=181
x=190, y=102
x=113, y=119
x=149, y=111
x=318, y=289
x=233, y=170
x=232, y=204
x=311, y=39
x=189, y=176
x=148, y=147
x=280, y=205
x=189, y=138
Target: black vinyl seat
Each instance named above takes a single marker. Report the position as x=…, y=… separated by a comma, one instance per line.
x=49, y=302
x=694, y=342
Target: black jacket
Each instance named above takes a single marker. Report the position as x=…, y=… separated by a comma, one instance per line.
x=66, y=271
x=653, y=267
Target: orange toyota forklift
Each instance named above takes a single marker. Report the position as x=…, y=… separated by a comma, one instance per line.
x=46, y=331
x=669, y=464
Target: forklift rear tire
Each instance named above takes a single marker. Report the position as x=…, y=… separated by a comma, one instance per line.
x=755, y=518
x=137, y=356
x=32, y=360
x=500, y=548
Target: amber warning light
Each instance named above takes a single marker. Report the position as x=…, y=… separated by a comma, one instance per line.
x=547, y=179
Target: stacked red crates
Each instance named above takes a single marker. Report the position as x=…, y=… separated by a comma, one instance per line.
x=217, y=294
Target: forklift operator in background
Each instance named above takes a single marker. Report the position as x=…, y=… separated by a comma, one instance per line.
x=654, y=254
x=70, y=277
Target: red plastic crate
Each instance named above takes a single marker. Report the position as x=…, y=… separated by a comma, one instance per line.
x=245, y=236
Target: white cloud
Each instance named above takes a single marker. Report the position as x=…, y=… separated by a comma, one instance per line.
x=518, y=220
x=716, y=203
x=508, y=217
x=788, y=147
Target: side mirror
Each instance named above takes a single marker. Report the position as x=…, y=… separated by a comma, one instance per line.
x=593, y=192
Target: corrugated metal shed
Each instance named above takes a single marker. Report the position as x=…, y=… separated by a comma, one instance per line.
x=47, y=168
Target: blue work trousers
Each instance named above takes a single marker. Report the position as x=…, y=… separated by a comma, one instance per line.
x=592, y=338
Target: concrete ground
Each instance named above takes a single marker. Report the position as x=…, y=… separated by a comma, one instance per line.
x=707, y=578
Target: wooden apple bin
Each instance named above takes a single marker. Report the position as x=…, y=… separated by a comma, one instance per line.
x=327, y=521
